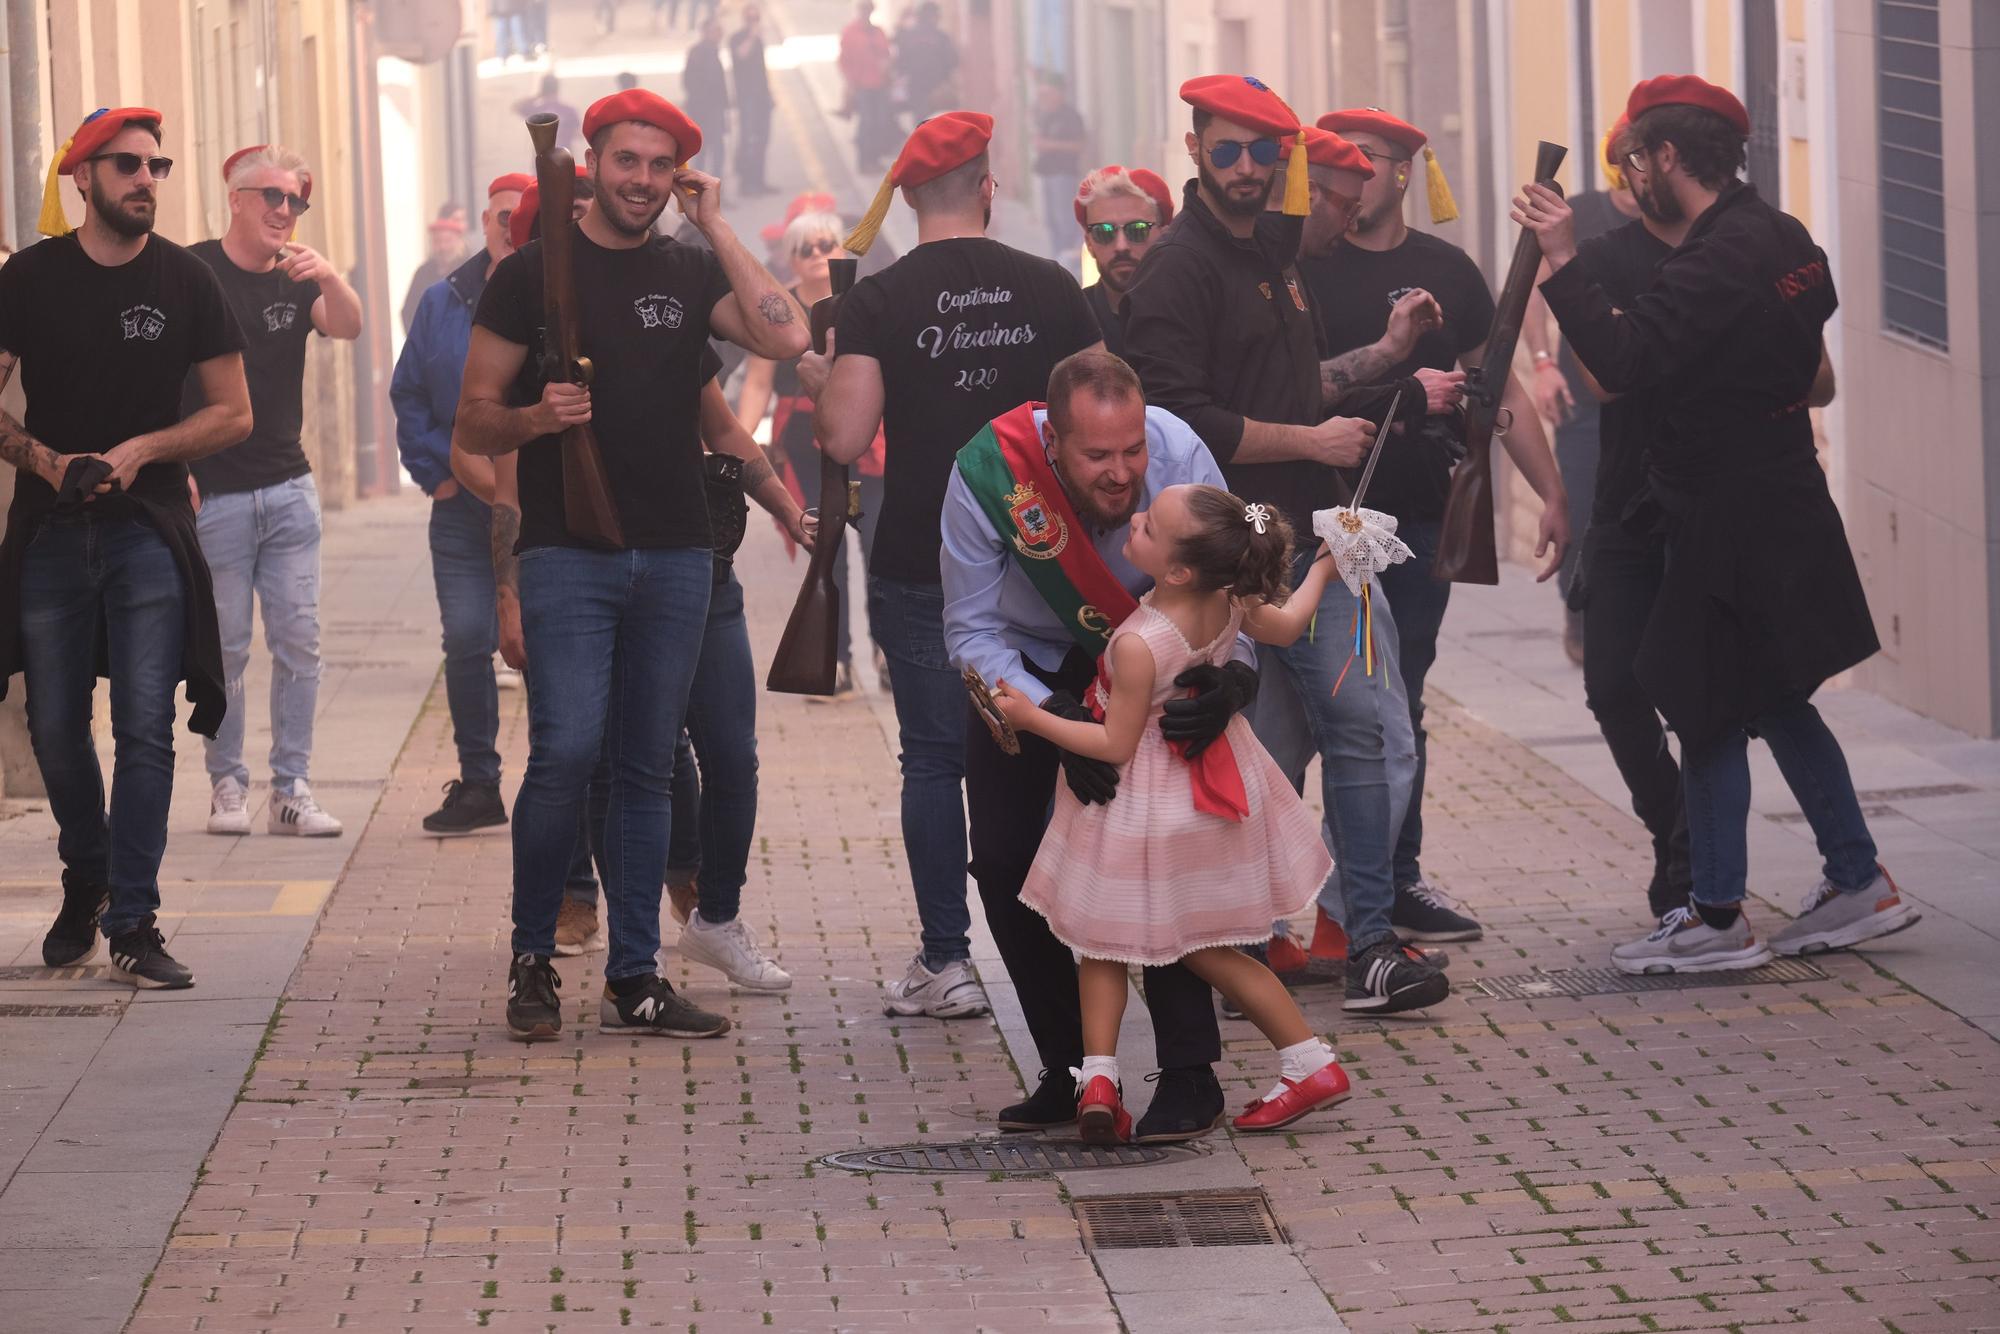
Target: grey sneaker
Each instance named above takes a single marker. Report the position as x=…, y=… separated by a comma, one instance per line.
x=1686, y=944
x=952, y=992
x=1832, y=920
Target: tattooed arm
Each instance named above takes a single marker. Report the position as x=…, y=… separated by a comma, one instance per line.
x=1415, y=313
x=19, y=448
x=758, y=314
x=505, y=532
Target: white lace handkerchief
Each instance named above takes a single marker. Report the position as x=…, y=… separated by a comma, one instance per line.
x=1363, y=542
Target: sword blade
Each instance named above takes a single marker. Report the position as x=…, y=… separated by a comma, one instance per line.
x=1375, y=453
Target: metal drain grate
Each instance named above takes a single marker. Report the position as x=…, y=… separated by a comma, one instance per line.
x=57, y=1011
x=1151, y=1222
x=74, y=973
x=1611, y=982
x=1015, y=1157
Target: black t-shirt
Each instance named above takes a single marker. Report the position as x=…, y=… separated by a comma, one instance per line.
x=1110, y=323
x=1623, y=262
x=1066, y=124
x=104, y=351
x=965, y=329
x=642, y=321
x=275, y=315
x=1353, y=289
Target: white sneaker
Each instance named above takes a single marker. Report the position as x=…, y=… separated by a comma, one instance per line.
x=729, y=948
x=227, y=811
x=505, y=677
x=952, y=992
x=297, y=813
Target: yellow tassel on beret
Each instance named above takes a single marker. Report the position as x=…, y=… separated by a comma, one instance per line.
x=1443, y=207
x=53, y=222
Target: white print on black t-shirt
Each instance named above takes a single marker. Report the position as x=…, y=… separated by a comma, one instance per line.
x=147, y=322
x=947, y=302
x=936, y=340
x=1399, y=294
x=658, y=311
x=280, y=315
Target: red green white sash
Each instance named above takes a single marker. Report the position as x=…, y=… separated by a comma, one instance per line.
x=1008, y=473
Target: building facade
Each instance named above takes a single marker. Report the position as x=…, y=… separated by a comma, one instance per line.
x=1873, y=123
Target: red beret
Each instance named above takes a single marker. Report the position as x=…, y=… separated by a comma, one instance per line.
x=1687, y=90
x=1247, y=101
x=513, y=180
x=809, y=202
x=530, y=209
x=1148, y=181
x=943, y=143
x=99, y=128
x=1324, y=148
x=229, y=165
x=647, y=108
x=1374, y=120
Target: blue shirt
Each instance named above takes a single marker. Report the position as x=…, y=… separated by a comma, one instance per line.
x=994, y=619
x=424, y=389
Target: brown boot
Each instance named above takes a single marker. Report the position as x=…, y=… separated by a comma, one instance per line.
x=576, y=928
x=681, y=898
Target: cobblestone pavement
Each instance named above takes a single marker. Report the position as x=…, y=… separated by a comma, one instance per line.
x=1822, y=1153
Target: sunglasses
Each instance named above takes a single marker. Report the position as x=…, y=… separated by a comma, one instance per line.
x=1346, y=204
x=273, y=197
x=826, y=245
x=1638, y=162
x=1224, y=153
x=128, y=164
x=1104, y=233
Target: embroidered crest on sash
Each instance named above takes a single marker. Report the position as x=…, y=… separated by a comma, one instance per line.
x=1042, y=534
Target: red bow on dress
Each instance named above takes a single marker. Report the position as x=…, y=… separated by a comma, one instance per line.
x=1217, y=782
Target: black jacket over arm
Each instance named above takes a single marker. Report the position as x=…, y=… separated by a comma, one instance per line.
x=1761, y=601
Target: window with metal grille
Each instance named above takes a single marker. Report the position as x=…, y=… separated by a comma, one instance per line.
x=1909, y=119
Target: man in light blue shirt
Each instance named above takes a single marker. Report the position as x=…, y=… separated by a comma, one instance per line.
x=1111, y=454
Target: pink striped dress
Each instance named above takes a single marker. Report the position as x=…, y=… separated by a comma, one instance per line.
x=1147, y=878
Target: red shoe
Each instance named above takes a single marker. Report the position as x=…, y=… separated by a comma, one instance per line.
x=1285, y=956
x=1100, y=1117
x=1323, y=1088
x=1329, y=939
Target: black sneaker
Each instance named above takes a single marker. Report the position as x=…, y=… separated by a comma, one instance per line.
x=139, y=956
x=1187, y=1104
x=72, y=938
x=467, y=807
x=1051, y=1106
x=534, y=1012
x=1422, y=912
x=1385, y=979
x=657, y=1010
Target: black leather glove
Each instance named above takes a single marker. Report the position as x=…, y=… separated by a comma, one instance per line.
x=1095, y=782
x=1225, y=691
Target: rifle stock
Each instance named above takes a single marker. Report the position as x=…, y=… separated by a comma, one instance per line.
x=1467, y=552
x=805, y=663
x=588, y=510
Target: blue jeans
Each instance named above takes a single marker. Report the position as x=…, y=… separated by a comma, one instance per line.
x=462, y=570
x=83, y=576
x=1717, y=778
x=1363, y=737
x=713, y=790
x=1420, y=604
x=615, y=634
x=266, y=543
x=908, y=622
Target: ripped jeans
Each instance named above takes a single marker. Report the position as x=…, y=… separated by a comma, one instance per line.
x=265, y=543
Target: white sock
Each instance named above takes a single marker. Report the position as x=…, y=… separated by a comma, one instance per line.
x=1093, y=1066
x=1300, y=1061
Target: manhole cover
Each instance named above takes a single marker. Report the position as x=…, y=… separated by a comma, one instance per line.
x=1147, y=1222
x=1611, y=982
x=57, y=1011
x=1011, y=1156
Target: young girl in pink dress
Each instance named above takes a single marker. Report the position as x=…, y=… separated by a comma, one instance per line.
x=1191, y=858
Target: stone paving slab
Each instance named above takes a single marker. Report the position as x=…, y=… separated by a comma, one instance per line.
x=1824, y=1153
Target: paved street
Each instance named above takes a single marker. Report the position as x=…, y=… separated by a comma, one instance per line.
x=333, y=1130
